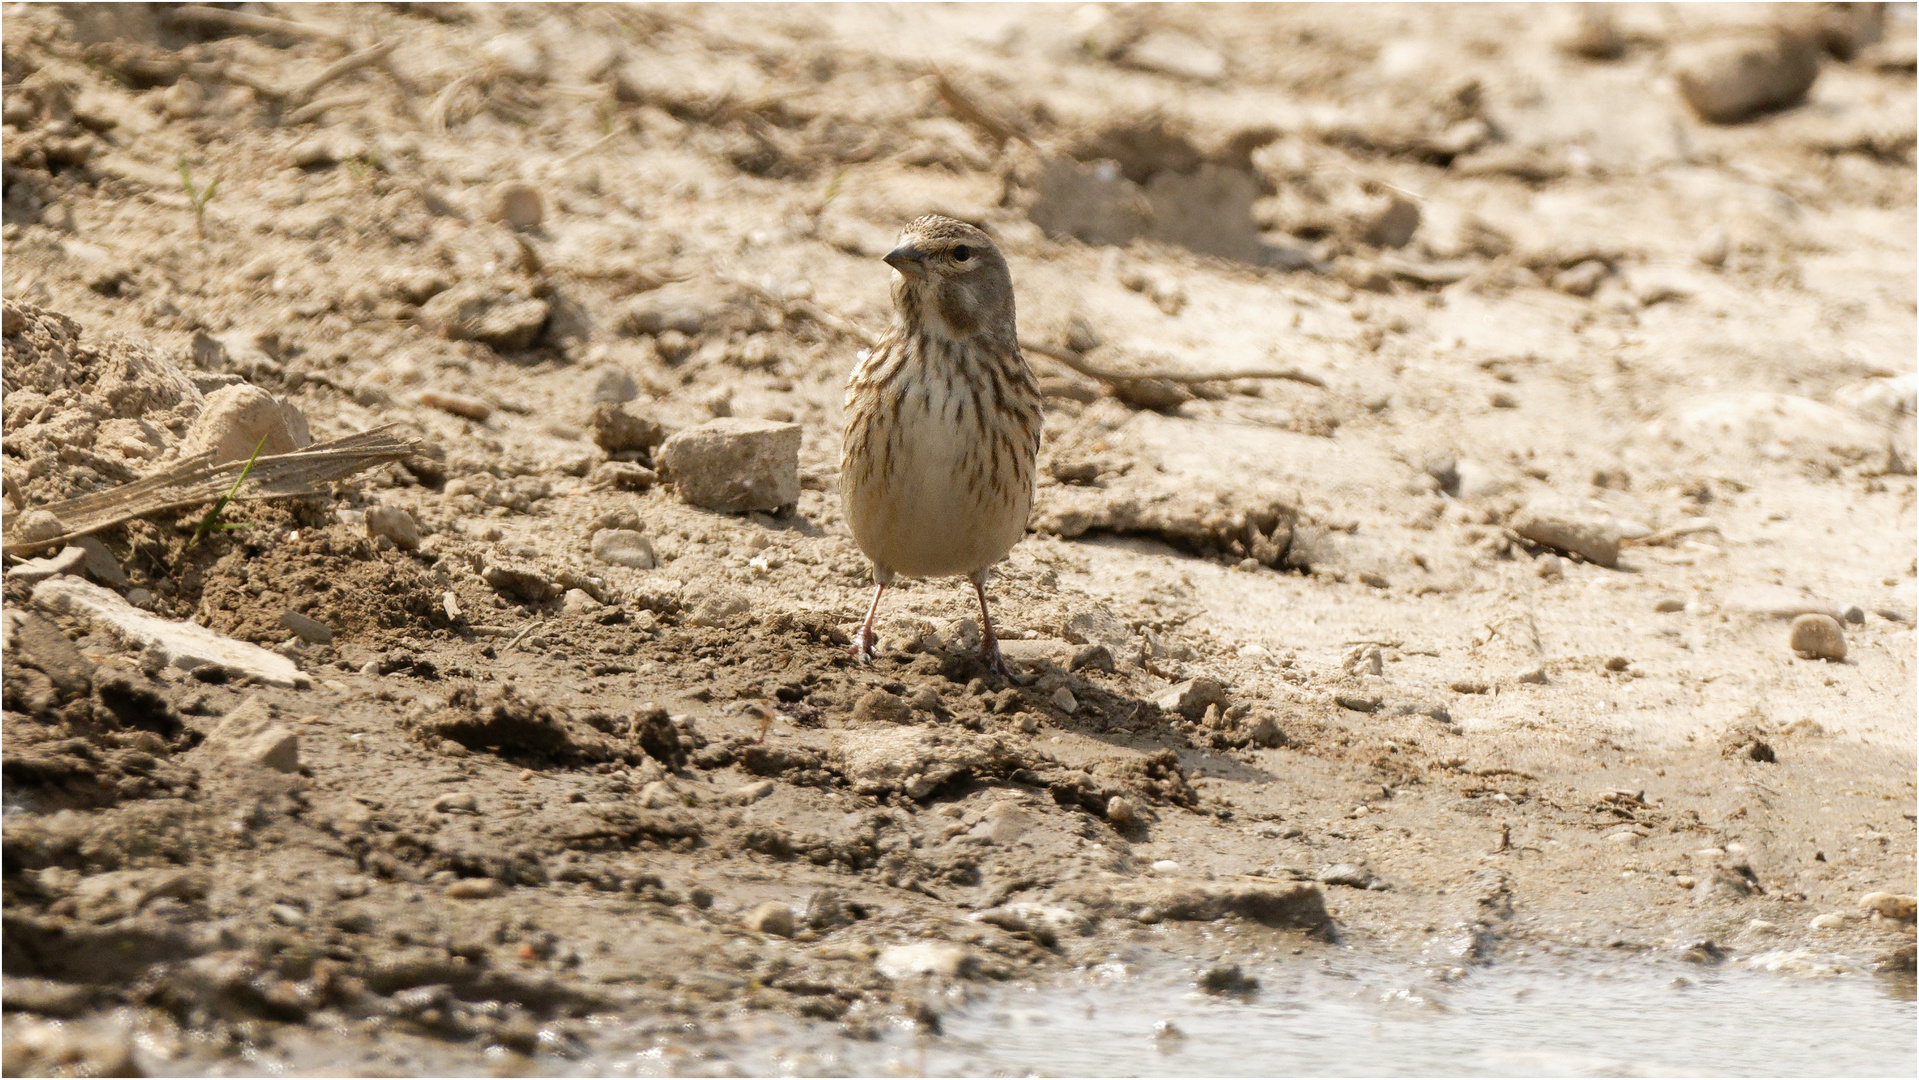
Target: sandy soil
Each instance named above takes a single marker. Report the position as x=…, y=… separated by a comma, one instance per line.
x=1468, y=638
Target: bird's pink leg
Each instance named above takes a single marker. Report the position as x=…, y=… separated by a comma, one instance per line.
x=865, y=647
x=989, y=641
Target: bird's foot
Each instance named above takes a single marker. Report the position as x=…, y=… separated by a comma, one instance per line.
x=865, y=647
x=989, y=655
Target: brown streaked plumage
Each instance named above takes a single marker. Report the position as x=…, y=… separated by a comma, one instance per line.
x=942, y=422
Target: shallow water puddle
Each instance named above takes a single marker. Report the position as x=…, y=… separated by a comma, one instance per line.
x=1776, y=1015
x=1342, y=1018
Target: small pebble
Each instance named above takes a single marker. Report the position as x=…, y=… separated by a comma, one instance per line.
x=1120, y=811
x=1669, y=605
x=1096, y=657
x=474, y=889
x=471, y=408
x=578, y=602
x=1890, y=905
x=1817, y=637
x=518, y=205
x=457, y=802
x=1165, y=866
x=1063, y=700
x=395, y=524
x=746, y=794
x=1831, y=920
x=623, y=547
x=771, y=918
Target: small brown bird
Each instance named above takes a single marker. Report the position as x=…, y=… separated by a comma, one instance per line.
x=942, y=423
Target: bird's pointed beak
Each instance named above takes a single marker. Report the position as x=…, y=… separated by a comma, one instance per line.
x=906, y=258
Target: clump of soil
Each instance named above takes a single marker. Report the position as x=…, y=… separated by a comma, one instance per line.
x=335, y=575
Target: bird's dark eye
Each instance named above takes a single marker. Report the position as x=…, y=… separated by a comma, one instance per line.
x=962, y=253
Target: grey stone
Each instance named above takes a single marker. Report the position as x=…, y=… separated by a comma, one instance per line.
x=1571, y=529
x=1346, y=874
x=1739, y=76
x=310, y=630
x=474, y=311
x=615, y=430
x=517, y=204
x=250, y=735
x=68, y=560
x=101, y=565
x=734, y=464
x=624, y=475
x=1190, y=698
x=1095, y=657
x=623, y=547
x=614, y=386
x=1098, y=626
x=183, y=645
x=578, y=602
x=1817, y=637
x=520, y=582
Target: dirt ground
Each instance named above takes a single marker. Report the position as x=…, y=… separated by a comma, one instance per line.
x=1468, y=638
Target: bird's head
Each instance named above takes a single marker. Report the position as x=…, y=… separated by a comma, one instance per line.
x=952, y=281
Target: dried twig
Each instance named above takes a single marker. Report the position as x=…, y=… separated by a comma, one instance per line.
x=313, y=110
x=198, y=480
x=967, y=110
x=1667, y=536
x=346, y=65
x=1079, y=363
x=241, y=22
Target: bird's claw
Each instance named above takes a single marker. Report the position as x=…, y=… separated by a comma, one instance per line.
x=865, y=649
x=995, y=662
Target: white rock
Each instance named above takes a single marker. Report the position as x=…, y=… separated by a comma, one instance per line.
x=236, y=419
x=733, y=464
x=1831, y=920
x=578, y=602
x=34, y=526
x=1165, y=866
x=1890, y=905
x=183, y=645
x=395, y=524
x=623, y=547
x=941, y=958
x=1064, y=701
x=518, y=53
